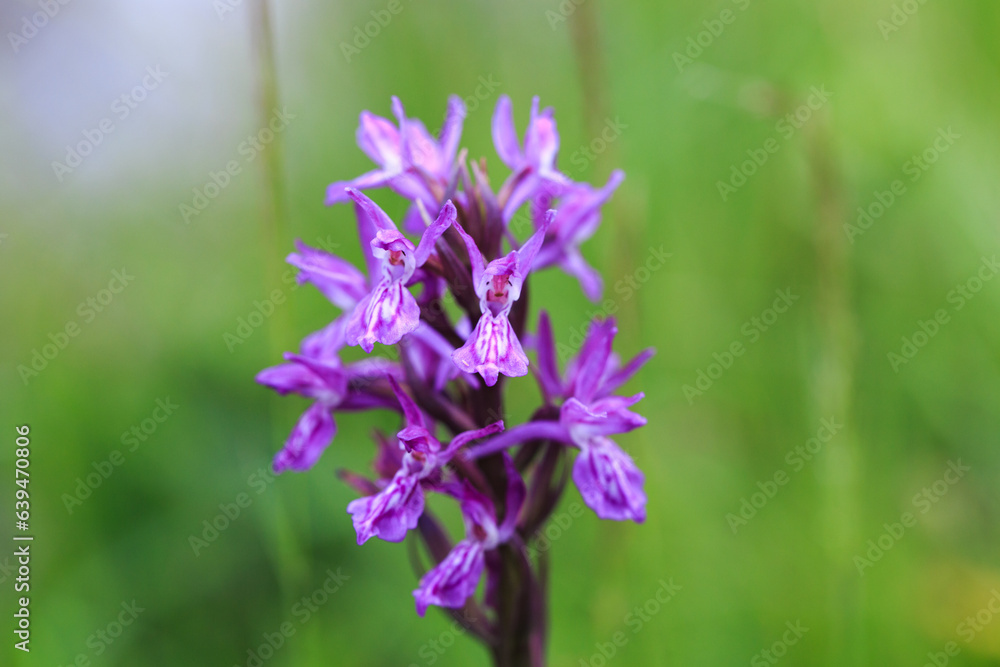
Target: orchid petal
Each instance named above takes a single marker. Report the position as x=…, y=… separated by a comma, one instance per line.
x=380, y=140
x=594, y=358
x=390, y=513
x=475, y=256
x=548, y=368
x=453, y=580
x=610, y=483
x=311, y=435
x=493, y=348
x=527, y=252
x=590, y=280
x=445, y=219
x=451, y=130
x=386, y=315
x=504, y=135
x=337, y=279
x=412, y=413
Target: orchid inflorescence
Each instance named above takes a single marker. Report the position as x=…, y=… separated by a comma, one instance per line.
x=446, y=373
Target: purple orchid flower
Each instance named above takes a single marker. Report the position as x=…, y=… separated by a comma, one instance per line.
x=383, y=309
x=454, y=579
x=534, y=166
x=389, y=311
x=317, y=373
x=409, y=159
x=608, y=479
x=396, y=509
x=493, y=347
x=577, y=218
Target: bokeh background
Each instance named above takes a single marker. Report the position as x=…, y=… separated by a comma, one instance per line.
x=624, y=99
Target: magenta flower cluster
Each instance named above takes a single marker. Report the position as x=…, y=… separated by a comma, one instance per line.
x=457, y=336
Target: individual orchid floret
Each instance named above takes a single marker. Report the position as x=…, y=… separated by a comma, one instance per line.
x=389, y=312
x=410, y=161
x=608, y=479
x=577, y=218
x=454, y=579
x=493, y=347
x=533, y=167
x=396, y=509
x=317, y=373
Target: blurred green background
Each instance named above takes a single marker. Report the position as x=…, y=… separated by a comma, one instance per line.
x=678, y=128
